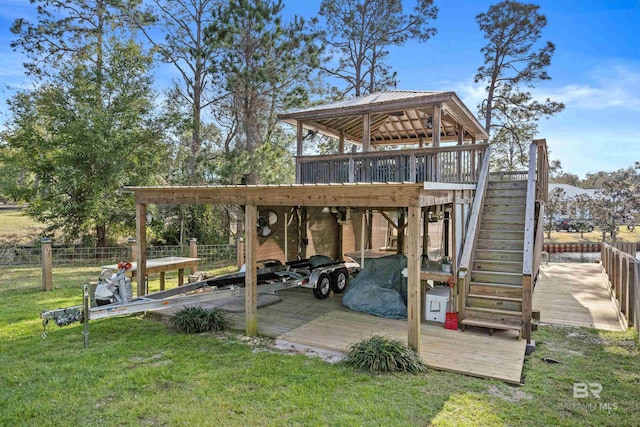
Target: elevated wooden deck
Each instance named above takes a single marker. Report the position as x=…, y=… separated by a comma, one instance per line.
x=300, y=318
x=575, y=294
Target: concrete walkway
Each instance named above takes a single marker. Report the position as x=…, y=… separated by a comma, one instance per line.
x=575, y=294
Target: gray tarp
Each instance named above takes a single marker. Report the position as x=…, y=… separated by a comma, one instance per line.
x=380, y=288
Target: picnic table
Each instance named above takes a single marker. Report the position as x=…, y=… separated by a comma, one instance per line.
x=161, y=266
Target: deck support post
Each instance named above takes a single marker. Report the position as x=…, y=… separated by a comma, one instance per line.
x=413, y=278
x=251, y=276
x=400, y=231
x=303, y=240
x=425, y=232
x=341, y=143
x=141, y=257
x=366, y=133
x=435, y=139
x=299, y=139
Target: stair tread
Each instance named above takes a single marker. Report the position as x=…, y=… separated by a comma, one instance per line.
x=504, y=285
x=500, y=240
x=499, y=273
x=495, y=297
x=502, y=231
x=510, y=251
x=493, y=310
x=504, y=221
x=490, y=324
x=497, y=261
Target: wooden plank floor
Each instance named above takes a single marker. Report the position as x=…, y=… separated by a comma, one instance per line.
x=302, y=319
x=575, y=294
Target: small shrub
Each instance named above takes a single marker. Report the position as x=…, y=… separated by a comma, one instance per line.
x=193, y=320
x=380, y=354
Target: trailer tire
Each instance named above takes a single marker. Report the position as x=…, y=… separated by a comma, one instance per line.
x=339, y=280
x=323, y=286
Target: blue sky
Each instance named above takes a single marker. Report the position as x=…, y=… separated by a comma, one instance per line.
x=595, y=71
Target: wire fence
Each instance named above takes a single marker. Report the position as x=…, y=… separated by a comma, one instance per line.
x=211, y=256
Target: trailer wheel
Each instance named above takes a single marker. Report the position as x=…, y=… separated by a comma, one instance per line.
x=323, y=286
x=339, y=280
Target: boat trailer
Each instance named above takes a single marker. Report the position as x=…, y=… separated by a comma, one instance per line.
x=113, y=294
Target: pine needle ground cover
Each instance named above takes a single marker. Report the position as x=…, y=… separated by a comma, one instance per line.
x=137, y=371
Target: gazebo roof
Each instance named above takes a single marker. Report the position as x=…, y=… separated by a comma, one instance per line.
x=396, y=117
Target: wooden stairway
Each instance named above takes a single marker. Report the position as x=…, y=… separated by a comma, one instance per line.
x=494, y=298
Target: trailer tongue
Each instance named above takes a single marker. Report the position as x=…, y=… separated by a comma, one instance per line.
x=113, y=294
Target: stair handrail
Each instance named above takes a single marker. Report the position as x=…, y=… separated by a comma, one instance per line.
x=537, y=183
x=529, y=215
x=472, y=233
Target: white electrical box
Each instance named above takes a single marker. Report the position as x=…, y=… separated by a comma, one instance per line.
x=436, y=303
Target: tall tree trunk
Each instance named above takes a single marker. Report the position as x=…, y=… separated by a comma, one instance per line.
x=101, y=236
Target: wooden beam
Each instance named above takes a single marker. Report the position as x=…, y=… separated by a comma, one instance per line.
x=251, y=277
x=141, y=238
x=341, y=143
x=352, y=195
x=366, y=132
x=413, y=278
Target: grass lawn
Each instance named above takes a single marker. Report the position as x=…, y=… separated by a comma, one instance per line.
x=137, y=372
x=624, y=235
x=15, y=227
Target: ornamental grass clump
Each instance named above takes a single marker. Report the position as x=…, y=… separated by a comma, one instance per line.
x=194, y=320
x=380, y=354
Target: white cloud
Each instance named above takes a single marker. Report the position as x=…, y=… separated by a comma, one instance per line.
x=613, y=86
x=471, y=94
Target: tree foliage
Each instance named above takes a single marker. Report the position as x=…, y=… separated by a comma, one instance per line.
x=87, y=129
x=66, y=29
x=618, y=197
x=514, y=58
x=359, y=34
x=181, y=42
x=581, y=207
x=264, y=65
x=556, y=204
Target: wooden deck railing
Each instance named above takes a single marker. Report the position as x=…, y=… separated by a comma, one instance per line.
x=623, y=271
x=471, y=238
x=445, y=164
x=509, y=176
x=537, y=188
x=542, y=171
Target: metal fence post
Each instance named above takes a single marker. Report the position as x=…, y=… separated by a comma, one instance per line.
x=47, y=265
